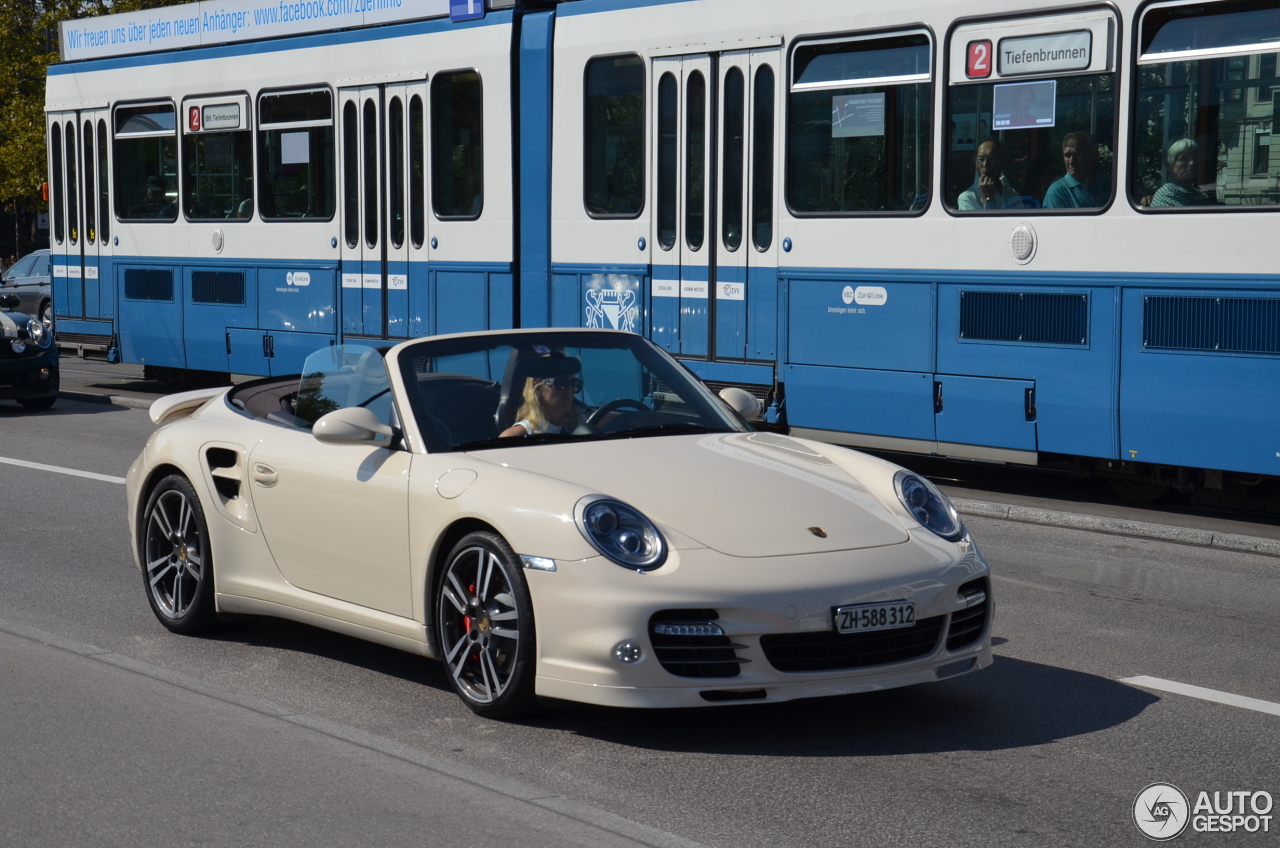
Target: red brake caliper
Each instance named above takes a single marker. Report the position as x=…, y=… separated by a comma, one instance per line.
x=466, y=619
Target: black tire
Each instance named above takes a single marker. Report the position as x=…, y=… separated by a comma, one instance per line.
x=177, y=562
x=480, y=592
x=46, y=314
x=44, y=402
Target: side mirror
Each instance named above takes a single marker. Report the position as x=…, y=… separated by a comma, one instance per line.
x=10, y=301
x=350, y=426
x=742, y=402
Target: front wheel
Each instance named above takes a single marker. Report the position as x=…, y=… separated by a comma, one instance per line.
x=178, y=565
x=484, y=616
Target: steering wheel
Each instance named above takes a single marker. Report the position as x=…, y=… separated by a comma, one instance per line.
x=614, y=406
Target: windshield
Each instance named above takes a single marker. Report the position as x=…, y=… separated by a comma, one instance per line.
x=530, y=388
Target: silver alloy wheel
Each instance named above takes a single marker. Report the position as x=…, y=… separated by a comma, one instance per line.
x=175, y=556
x=479, y=624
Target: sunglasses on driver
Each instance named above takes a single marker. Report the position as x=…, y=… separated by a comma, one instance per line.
x=573, y=383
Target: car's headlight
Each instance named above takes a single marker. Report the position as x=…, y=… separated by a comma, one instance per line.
x=18, y=345
x=38, y=333
x=928, y=505
x=620, y=532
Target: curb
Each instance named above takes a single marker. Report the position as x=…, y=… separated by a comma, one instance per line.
x=1122, y=527
x=114, y=400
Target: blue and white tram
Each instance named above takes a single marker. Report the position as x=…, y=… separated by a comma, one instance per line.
x=984, y=229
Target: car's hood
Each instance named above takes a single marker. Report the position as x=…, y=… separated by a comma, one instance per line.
x=13, y=325
x=743, y=494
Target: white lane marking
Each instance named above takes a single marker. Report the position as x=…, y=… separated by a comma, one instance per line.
x=57, y=469
x=1242, y=701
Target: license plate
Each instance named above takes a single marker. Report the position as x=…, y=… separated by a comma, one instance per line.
x=863, y=618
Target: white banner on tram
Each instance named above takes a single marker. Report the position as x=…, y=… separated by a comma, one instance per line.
x=212, y=22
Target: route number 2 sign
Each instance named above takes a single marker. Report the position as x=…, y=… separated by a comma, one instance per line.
x=979, y=64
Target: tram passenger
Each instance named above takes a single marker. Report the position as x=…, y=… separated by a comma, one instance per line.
x=1080, y=187
x=1180, y=189
x=154, y=204
x=548, y=402
x=990, y=187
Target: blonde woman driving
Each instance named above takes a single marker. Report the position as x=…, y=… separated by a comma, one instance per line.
x=548, y=401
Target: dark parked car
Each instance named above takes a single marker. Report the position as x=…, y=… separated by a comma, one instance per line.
x=28, y=357
x=31, y=280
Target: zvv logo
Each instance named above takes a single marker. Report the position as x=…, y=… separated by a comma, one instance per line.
x=1160, y=811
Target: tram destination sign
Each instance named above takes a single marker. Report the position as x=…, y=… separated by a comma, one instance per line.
x=1043, y=54
x=212, y=22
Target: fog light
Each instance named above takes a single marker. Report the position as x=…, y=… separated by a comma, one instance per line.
x=628, y=653
x=18, y=345
x=44, y=373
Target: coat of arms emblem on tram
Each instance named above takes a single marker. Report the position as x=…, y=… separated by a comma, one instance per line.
x=612, y=308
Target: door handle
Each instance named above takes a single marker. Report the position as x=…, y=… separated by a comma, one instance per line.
x=264, y=475
x=937, y=396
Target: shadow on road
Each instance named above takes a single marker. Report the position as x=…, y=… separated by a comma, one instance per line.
x=1012, y=704
x=62, y=408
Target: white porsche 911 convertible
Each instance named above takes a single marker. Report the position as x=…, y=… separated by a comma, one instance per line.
x=555, y=514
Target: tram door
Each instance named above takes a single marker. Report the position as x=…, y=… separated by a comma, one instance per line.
x=363, y=257
x=382, y=181
x=746, y=272
x=79, y=213
x=714, y=203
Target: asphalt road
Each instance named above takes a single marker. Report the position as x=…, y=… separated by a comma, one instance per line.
x=121, y=733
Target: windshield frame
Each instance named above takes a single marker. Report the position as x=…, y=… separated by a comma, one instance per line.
x=649, y=355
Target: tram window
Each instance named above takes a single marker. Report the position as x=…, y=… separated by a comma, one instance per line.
x=1203, y=121
x=104, y=196
x=614, y=167
x=350, y=175
x=735, y=120
x=457, y=146
x=668, y=150
x=217, y=181
x=296, y=179
x=417, y=173
x=762, y=170
x=1043, y=143
x=396, y=167
x=146, y=172
x=90, y=207
x=860, y=128
x=73, y=210
x=370, y=174
x=695, y=157
x=55, y=145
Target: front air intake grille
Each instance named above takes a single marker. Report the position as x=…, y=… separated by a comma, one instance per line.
x=967, y=624
x=708, y=654
x=1223, y=324
x=828, y=650
x=1035, y=317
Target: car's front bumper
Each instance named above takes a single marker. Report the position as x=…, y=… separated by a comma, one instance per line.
x=29, y=374
x=584, y=609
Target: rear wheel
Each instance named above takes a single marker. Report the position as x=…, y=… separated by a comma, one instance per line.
x=484, y=616
x=177, y=563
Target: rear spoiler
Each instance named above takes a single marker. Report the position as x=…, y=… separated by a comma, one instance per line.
x=182, y=404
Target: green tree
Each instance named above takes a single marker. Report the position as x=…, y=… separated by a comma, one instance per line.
x=29, y=33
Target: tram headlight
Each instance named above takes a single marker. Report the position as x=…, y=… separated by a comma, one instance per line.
x=928, y=506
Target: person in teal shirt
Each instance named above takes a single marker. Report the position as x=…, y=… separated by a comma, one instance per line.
x=1081, y=188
